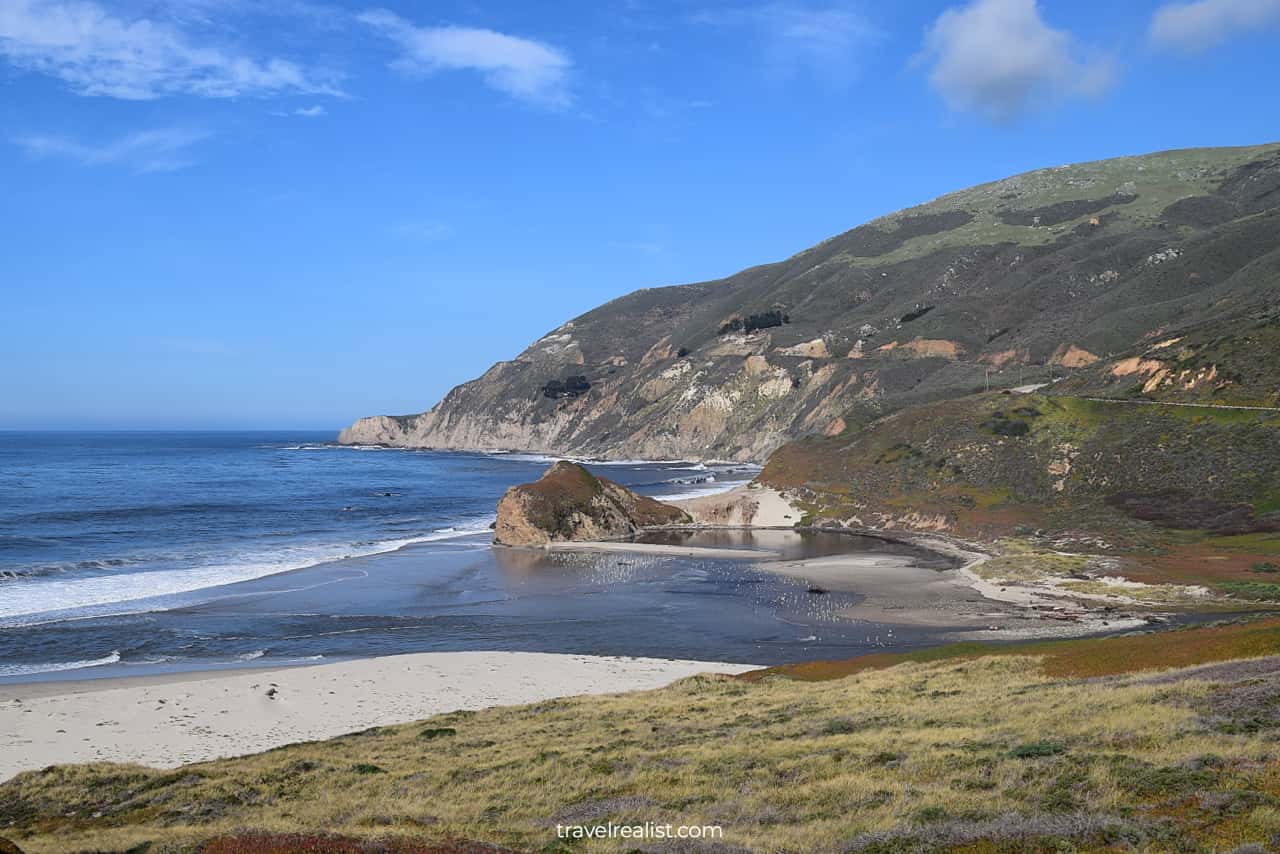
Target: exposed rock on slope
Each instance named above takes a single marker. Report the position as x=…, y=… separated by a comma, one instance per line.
x=1068, y=270
x=570, y=503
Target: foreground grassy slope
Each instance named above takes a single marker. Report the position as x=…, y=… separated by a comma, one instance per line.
x=960, y=752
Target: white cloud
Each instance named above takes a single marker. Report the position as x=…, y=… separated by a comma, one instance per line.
x=315, y=111
x=999, y=58
x=525, y=69
x=1200, y=25
x=98, y=53
x=162, y=150
x=827, y=41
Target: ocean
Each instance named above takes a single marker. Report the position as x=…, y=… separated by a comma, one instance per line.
x=160, y=551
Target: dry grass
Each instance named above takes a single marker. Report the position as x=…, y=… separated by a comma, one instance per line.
x=1083, y=575
x=1003, y=752
x=1022, y=563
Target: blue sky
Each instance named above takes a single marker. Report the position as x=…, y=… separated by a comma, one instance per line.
x=224, y=213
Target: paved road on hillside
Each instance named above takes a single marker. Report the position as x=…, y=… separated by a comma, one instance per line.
x=1029, y=389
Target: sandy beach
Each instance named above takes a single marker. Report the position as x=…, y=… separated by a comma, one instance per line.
x=166, y=721
x=747, y=506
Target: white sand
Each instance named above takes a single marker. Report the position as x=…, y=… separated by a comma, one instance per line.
x=167, y=721
x=748, y=506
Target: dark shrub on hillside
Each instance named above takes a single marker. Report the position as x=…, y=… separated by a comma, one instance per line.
x=753, y=322
x=437, y=732
x=1176, y=508
x=1001, y=425
x=917, y=314
x=569, y=387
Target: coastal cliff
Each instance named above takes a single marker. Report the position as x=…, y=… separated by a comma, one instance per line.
x=1077, y=271
x=569, y=503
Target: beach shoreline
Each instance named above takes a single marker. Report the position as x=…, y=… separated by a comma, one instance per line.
x=174, y=719
x=1039, y=609
x=628, y=547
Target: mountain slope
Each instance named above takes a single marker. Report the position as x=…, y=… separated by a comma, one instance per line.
x=1056, y=271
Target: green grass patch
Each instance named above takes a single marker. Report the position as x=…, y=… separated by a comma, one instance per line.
x=1261, y=544
x=1255, y=591
x=1037, y=749
x=898, y=453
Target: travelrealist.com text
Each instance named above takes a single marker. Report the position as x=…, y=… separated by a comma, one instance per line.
x=648, y=830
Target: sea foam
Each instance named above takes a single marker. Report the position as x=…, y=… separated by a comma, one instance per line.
x=43, y=599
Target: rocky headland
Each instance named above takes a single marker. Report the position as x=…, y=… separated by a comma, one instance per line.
x=568, y=503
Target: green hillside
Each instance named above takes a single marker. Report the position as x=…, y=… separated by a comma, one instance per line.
x=1185, y=494
x=1063, y=271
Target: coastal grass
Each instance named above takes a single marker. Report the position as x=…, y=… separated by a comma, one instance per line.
x=952, y=749
x=1080, y=658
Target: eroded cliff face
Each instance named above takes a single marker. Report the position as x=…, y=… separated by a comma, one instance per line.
x=568, y=503
x=739, y=400
x=1061, y=271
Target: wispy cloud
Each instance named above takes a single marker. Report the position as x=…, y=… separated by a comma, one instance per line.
x=162, y=150
x=1203, y=24
x=828, y=41
x=522, y=68
x=320, y=15
x=429, y=231
x=98, y=53
x=999, y=58
x=315, y=111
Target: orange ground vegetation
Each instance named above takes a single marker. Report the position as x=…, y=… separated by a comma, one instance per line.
x=1075, y=658
x=1198, y=563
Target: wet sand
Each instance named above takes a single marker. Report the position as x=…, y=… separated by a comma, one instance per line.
x=663, y=549
x=943, y=595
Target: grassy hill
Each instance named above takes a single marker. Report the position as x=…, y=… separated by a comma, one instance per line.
x=1069, y=270
x=1068, y=746
x=1180, y=494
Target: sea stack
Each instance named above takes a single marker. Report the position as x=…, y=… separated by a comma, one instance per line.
x=568, y=503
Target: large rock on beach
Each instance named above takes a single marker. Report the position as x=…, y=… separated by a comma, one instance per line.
x=569, y=503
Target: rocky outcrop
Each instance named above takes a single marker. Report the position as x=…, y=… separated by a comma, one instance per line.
x=568, y=503
x=1062, y=270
